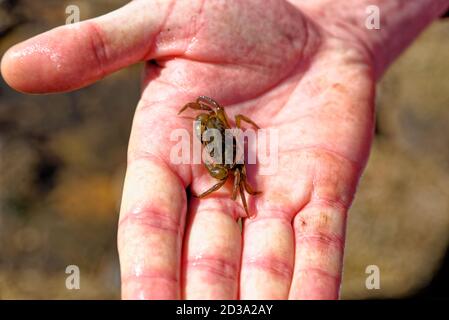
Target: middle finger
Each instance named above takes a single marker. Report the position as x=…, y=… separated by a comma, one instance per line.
x=212, y=249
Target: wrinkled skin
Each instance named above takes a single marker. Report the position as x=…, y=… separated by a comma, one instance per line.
x=274, y=61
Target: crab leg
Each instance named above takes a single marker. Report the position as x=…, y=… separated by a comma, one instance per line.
x=195, y=106
x=246, y=184
x=208, y=101
x=240, y=117
x=237, y=180
x=242, y=196
x=212, y=189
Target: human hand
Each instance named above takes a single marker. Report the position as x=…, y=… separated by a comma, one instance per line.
x=284, y=64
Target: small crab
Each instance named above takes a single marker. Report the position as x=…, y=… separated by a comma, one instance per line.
x=216, y=118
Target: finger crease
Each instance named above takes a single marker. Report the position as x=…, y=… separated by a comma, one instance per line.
x=278, y=214
x=216, y=266
x=272, y=265
x=155, y=274
x=339, y=204
x=152, y=218
x=326, y=239
x=319, y=271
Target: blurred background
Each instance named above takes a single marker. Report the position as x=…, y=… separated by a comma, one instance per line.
x=62, y=163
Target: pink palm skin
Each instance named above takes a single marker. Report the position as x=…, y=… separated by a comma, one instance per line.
x=274, y=61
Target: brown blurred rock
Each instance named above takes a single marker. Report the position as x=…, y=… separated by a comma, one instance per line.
x=61, y=169
x=400, y=218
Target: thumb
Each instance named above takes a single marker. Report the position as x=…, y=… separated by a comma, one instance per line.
x=73, y=56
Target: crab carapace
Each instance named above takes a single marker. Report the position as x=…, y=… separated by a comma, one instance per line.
x=215, y=117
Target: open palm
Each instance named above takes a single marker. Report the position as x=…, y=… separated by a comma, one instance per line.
x=269, y=60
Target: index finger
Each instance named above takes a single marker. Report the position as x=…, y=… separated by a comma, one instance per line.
x=150, y=231
x=152, y=215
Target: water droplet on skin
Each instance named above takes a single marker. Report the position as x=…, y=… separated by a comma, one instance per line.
x=141, y=295
x=36, y=48
x=197, y=258
x=137, y=210
x=192, y=43
x=138, y=269
x=252, y=259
